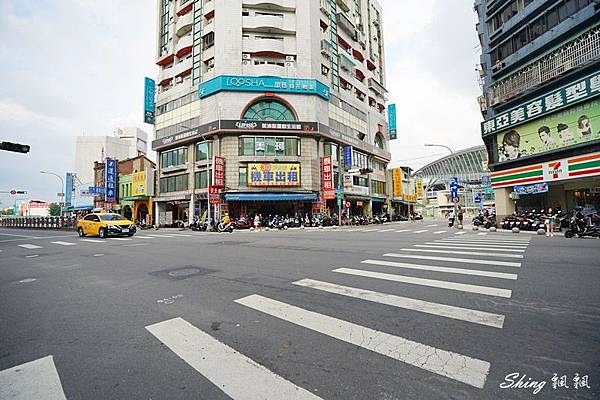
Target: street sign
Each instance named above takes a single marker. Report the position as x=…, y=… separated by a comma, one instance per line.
x=489, y=190
x=60, y=194
x=477, y=198
x=347, y=204
x=486, y=181
x=456, y=199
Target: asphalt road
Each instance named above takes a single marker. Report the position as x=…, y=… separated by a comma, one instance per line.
x=299, y=314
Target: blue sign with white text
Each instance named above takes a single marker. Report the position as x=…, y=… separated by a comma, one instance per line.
x=531, y=189
x=149, y=103
x=262, y=84
x=486, y=181
x=69, y=189
x=392, y=118
x=454, y=187
x=111, y=180
x=477, y=198
x=348, y=156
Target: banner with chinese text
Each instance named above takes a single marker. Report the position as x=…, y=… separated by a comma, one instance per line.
x=218, y=178
x=271, y=174
x=397, y=181
x=327, y=178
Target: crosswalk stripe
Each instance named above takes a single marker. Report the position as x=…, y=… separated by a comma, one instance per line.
x=64, y=243
x=92, y=240
x=36, y=379
x=370, y=230
x=144, y=237
x=482, y=234
x=30, y=246
x=465, y=240
x=161, y=236
x=442, y=362
x=472, y=253
x=447, y=270
x=462, y=287
x=181, y=235
x=466, y=247
x=442, y=310
x=460, y=233
x=236, y=375
x=386, y=230
x=438, y=232
x=430, y=226
x=480, y=244
x=117, y=238
x=451, y=259
x=491, y=239
x=422, y=231
x=403, y=230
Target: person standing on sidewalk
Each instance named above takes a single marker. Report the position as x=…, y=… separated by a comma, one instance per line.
x=257, y=222
x=460, y=215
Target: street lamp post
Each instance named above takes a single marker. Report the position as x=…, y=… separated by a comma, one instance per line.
x=62, y=188
x=454, y=171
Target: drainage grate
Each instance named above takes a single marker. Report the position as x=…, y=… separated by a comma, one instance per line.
x=177, y=274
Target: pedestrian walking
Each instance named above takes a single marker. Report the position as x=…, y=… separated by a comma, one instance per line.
x=257, y=222
x=550, y=222
x=460, y=215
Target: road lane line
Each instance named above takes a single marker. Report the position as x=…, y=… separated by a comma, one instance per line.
x=30, y=246
x=422, y=231
x=64, y=243
x=144, y=237
x=490, y=242
x=121, y=239
x=438, y=232
x=98, y=255
x=403, y=230
x=370, y=230
x=180, y=235
x=92, y=240
x=161, y=236
x=448, y=270
x=36, y=379
x=480, y=244
x=489, y=239
x=430, y=226
x=451, y=259
x=386, y=230
x=15, y=235
x=442, y=310
x=236, y=375
x=472, y=253
x=460, y=233
x=32, y=256
x=136, y=244
x=461, y=287
x=442, y=362
x=466, y=247
x=482, y=234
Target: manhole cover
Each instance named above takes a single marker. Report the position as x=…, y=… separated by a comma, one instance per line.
x=182, y=272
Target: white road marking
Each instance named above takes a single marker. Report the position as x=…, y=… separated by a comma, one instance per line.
x=370, y=230
x=386, y=230
x=119, y=238
x=489, y=239
x=462, y=260
x=490, y=242
x=403, y=230
x=422, y=231
x=144, y=237
x=460, y=233
x=161, y=236
x=27, y=280
x=447, y=270
x=480, y=244
x=181, y=235
x=472, y=253
x=442, y=362
x=466, y=247
x=15, y=235
x=438, y=232
x=135, y=244
x=64, y=243
x=98, y=255
x=30, y=246
x=36, y=379
x=462, y=287
x=442, y=310
x=32, y=256
x=430, y=226
x=92, y=240
x=482, y=234
x=236, y=375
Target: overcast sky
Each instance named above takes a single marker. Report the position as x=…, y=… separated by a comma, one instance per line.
x=73, y=67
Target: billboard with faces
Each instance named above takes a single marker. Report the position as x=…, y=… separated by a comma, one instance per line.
x=573, y=126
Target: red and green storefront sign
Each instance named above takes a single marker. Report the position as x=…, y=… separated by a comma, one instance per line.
x=568, y=168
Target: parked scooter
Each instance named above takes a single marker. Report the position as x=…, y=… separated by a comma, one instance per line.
x=579, y=227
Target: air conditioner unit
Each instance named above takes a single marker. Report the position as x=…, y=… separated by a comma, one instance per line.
x=246, y=56
x=290, y=58
x=179, y=79
x=211, y=62
x=246, y=62
x=289, y=64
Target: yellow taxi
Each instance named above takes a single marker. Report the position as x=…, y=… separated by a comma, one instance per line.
x=104, y=224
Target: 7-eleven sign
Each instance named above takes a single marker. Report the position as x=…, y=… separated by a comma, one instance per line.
x=556, y=170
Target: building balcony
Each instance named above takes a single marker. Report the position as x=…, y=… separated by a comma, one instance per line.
x=166, y=57
x=184, y=45
x=263, y=45
x=208, y=7
x=267, y=70
x=269, y=22
x=287, y=4
x=575, y=54
x=346, y=25
x=377, y=88
x=184, y=6
x=344, y=5
x=346, y=63
x=182, y=67
x=184, y=24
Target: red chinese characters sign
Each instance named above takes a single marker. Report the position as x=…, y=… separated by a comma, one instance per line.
x=214, y=195
x=327, y=178
x=218, y=178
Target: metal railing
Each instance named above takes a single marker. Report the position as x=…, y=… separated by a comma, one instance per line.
x=572, y=55
x=66, y=223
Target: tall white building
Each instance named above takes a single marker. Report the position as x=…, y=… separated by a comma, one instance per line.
x=272, y=86
x=124, y=143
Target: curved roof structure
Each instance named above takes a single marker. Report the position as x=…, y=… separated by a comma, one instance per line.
x=467, y=164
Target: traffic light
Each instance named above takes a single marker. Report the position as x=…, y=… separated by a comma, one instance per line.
x=14, y=147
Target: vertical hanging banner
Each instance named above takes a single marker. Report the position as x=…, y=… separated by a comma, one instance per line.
x=392, y=121
x=397, y=182
x=348, y=156
x=69, y=189
x=149, y=103
x=327, y=178
x=218, y=172
x=111, y=179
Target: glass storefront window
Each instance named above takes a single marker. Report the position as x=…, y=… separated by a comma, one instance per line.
x=203, y=151
x=269, y=146
x=175, y=183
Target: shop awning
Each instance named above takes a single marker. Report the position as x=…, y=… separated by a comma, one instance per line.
x=271, y=197
x=377, y=200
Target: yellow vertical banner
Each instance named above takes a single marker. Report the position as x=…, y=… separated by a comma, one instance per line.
x=419, y=187
x=397, y=180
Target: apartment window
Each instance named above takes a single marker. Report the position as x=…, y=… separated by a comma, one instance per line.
x=173, y=157
x=201, y=179
x=378, y=187
x=243, y=176
x=360, y=181
x=259, y=13
x=331, y=149
x=203, y=151
x=208, y=40
x=269, y=146
x=360, y=160
x=269, y=110
x=378, y=165
x=175, y=183
x=379, y=141
x=269, y=62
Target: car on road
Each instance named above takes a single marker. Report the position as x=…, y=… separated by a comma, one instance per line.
x=105, y=224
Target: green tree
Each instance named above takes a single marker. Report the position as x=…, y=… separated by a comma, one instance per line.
x=7, y=211
x=54, y=209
